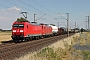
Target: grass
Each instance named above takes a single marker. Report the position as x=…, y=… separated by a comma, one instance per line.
x=85, y=40
x=86, y=54
x=50, y=54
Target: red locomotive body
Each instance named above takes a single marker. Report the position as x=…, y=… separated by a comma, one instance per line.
x=26, y=31
x=48, y=29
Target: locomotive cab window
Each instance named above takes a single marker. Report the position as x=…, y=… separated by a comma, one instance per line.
x=15, y=26
x=18, y=25
x=21, y=26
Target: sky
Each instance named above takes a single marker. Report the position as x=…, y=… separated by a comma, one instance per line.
x=46, y=11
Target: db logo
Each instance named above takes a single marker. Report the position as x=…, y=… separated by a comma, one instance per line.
x=18, y=30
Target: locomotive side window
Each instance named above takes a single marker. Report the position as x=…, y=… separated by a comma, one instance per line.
x=27, y=26
x=42, y=27
x=18, y=25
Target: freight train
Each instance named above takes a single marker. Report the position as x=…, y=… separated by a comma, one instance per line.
x=25, y=31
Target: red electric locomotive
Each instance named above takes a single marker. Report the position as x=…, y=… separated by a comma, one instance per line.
x=23, y=31
x=46, y=30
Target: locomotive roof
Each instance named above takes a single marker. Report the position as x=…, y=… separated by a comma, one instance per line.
x=33, y=23
x=20, y=22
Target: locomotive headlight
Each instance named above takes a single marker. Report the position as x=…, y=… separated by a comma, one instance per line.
x=14, y=30
x=21, y=30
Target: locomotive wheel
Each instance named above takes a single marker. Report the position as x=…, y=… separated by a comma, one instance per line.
x=26, y=39
x=37, y=38
x=41, y=37
x=30, y=38
x=15, y=41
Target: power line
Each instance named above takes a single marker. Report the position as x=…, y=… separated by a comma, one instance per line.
x=9, y=2
x=48, y=9
x=15, y=4
x=21, y=6
x=41, y=17
x=4, y=6
x=33, y=7
x=37, y=3
x=43, y=7
x=30, y=6
x=62, y=17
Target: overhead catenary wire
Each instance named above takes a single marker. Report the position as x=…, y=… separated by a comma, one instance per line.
x=40, y=17
x=30, y=6
x=44, y=7
x=34, y=8
x=4, y=6
x=16, y=4
x=22, y=7
x=25, y=4
x=48, y=9
x=9, y=2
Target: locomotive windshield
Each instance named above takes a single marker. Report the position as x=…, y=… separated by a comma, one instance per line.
x=18, y=25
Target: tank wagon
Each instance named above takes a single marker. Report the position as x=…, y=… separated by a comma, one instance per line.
x=24, y=31
x=54, y=30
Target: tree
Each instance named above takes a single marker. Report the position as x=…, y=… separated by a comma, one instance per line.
x=21, y=19
x=52, y=24
x=82, y=30
x=0, y=29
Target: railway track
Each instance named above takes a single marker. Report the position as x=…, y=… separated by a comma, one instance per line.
x=10, y=51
